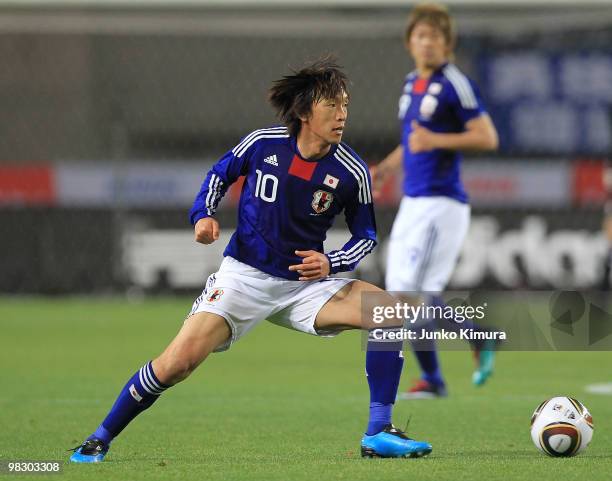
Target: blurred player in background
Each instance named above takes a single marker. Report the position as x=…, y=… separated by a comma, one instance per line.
x=441, y=114
x=607, y=224
x=298, y=178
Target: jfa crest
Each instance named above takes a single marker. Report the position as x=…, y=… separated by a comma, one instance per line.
x=321, y=200
x=214, y=295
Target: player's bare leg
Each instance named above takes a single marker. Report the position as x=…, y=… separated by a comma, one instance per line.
x=343, y=310
x=384, y=363
x=200, y=335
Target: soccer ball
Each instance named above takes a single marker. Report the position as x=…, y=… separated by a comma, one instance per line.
x=561, y=426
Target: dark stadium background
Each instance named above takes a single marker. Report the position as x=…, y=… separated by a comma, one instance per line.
x=112, y=115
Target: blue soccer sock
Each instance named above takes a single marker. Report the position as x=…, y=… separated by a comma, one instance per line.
x=426, y=355
x=430, y=367
x=140, y=392
x=383, y=369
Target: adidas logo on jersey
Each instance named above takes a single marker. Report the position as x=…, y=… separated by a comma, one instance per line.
x=272, y=160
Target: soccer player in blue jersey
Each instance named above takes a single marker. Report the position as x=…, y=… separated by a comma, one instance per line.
x=298, y=177
x=441, y=114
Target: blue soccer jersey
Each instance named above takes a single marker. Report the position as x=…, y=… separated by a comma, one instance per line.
x=444, y=103
x=289, y=203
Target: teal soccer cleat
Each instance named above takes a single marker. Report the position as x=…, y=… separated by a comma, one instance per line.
x=393, y=443
x=485, y=359
x=91, y=451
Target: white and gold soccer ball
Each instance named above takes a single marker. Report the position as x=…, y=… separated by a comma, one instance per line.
x=561, y=427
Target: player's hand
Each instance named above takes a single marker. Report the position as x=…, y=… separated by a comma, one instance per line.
x=314, y=266
x=206, y=230
x=421, y=139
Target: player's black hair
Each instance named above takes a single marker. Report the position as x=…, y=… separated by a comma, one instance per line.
x=294, y=95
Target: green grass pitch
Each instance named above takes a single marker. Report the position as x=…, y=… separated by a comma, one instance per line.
x=278, y=406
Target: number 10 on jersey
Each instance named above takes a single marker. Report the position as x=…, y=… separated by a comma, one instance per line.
x=263, y=186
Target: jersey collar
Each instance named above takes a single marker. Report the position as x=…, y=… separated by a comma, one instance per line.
x=329, y=155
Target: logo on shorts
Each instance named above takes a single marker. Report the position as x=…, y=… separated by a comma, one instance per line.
x=214, y=295
x=321, y=201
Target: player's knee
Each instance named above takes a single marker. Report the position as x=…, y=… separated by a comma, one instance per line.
x=177, y=368
x=182, y=370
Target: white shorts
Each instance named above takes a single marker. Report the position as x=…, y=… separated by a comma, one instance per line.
x=245, y=296
x=426, y=239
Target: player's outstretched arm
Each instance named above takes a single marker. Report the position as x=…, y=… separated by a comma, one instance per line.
x=206, y=230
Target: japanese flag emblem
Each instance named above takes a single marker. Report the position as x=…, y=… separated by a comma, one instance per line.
x=321, y=201
x=331, y=181
x=135, y=394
